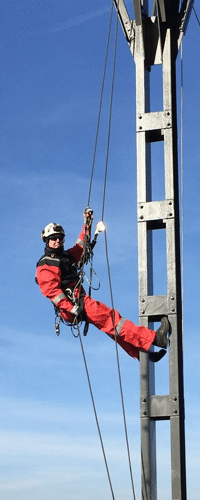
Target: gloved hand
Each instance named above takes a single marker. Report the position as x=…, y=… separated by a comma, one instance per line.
x=100, y=227
x=88, y=216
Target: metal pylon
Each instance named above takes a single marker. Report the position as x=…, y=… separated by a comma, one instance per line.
x=155, y=40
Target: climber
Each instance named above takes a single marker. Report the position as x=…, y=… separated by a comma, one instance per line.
x=58, y=278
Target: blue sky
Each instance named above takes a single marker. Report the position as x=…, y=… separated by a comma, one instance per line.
x=52, y=57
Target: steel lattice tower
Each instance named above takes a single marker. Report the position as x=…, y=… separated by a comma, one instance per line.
x=155, y=40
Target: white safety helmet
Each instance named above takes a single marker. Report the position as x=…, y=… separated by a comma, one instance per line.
x=52, y=229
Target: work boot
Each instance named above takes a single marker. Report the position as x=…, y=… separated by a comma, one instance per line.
x=161, y=334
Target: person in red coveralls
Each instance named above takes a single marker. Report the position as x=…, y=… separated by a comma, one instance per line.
x=58, y=278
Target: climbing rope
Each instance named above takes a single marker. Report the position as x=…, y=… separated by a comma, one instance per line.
x=197, y=18
x=89, y=196
x=119, y=373
x=96, y=417
x=107, y=257
x=103, y=209
x=101, y=101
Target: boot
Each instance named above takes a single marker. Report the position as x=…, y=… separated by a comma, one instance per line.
x=161, y=334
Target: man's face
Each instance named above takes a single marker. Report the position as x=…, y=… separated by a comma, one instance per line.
x=56, y=241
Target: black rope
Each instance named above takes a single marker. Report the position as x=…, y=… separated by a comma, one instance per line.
x=107, y=258
x=100, y=105
x=196, y=16
x=119, y=371
x=110, y=117
x=96, y=417
x=88, y=204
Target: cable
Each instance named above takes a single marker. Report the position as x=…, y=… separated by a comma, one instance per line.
x=100, y=105
x=106, y=247
x=110, y=117
x=119, y=372
x=96, y=417
x=196, y=16
x=89, y=196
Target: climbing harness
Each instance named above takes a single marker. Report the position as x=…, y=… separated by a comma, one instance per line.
x=77, y=298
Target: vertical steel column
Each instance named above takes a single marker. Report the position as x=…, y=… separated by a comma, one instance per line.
x=145, y=263
x=178, y=472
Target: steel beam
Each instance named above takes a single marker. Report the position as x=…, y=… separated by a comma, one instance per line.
x=126, y=23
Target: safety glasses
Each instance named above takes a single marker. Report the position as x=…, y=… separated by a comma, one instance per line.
x=57, y=236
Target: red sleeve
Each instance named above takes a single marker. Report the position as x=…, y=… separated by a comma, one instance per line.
x=77, y=250
x=49, y=281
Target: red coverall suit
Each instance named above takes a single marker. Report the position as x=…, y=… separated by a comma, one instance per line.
x=130, y=337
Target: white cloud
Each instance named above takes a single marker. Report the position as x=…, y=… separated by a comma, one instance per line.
x=71, y=23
